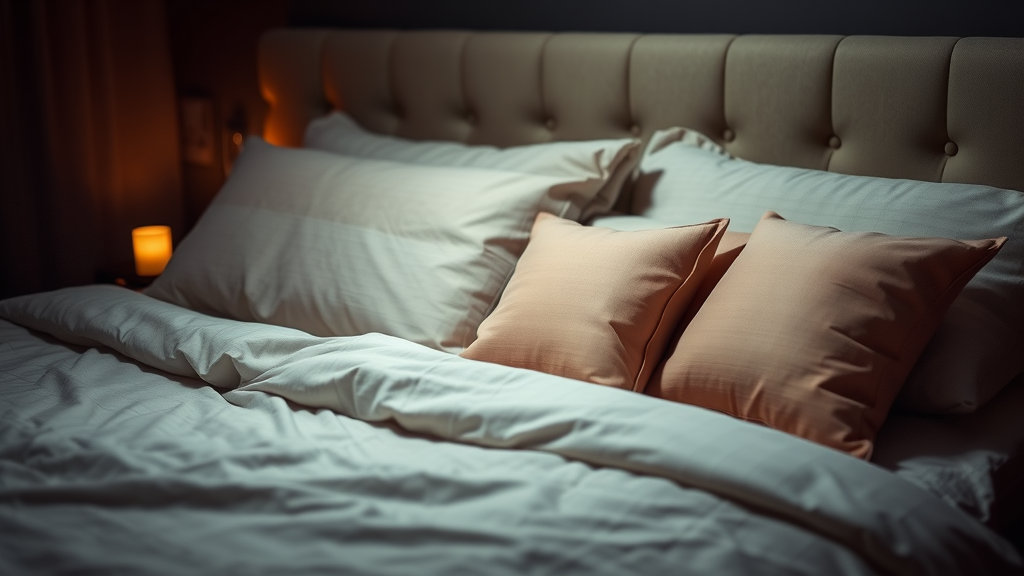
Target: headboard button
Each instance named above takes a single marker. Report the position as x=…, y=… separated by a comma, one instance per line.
x=834, y=142
x=634, y=130
x=951, y=148
x=550, y=123
x=728, y=135
x=471, y=118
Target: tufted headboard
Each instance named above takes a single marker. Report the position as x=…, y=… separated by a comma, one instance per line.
x=937, y=109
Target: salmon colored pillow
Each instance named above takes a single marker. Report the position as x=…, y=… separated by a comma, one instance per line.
x=728, y=249
x=596, y=304
x=813, y=331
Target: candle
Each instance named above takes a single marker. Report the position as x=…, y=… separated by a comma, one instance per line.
x=152, y=245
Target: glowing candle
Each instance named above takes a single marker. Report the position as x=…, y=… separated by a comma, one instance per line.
x=152, y=246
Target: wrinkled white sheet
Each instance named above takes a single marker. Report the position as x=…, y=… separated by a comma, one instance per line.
x=336, y=454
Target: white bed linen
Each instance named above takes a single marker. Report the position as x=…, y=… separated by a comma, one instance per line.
x=338, y=132
x=340, y=246
x=119, y=458
x=974, y=461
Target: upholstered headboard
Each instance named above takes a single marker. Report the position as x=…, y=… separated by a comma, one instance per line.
x=937, y=109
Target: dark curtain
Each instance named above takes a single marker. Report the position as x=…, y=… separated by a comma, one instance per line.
x=88, y=138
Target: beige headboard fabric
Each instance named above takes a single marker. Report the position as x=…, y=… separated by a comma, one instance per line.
x=937, y=109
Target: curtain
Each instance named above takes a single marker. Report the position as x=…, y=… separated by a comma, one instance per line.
x=88, y=138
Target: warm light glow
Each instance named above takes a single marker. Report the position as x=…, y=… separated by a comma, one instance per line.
x=237, y=139
x=152, y=246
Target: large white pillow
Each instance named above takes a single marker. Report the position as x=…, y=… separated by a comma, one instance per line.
x=336, y=245
x=979, y=346
x=337, y=132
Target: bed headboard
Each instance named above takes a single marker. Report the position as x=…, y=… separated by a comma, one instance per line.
x=936, y=109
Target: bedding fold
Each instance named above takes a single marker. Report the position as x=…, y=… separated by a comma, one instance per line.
x=898, y=527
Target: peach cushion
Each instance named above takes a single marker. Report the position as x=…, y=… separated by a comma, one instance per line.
x=813, y=331
x=728, y=249
x=596, y=304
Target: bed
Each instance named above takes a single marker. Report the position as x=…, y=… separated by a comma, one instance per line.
x=391, y=347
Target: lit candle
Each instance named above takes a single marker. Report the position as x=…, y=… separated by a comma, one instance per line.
x=152, y=246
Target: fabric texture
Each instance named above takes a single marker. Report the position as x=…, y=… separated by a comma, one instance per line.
x=979, y=345
x=336, y=245
x=596, y=304
x=339, y=452
x=337, y=132
x=729, y=247
x=973, y=461
x=872, y=105
x=813, y=331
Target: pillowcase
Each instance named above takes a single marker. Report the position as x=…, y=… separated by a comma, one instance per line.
x=337, y=132
x=596, y=304
x=979, y=345
x=729, y=248
x=335, y=245
x=812, y=331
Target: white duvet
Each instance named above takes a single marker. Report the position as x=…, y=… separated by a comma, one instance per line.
x=372, y=455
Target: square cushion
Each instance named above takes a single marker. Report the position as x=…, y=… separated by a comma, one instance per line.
x=813, y=331
x=729, y=247
x=596, y=304
x=979, y=345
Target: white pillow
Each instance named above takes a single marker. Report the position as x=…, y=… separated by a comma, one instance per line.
x=336, y=245
x=979, y=346
x=337, y=132
x=626, y=222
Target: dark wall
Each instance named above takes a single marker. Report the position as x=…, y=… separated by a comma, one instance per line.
x=213, y=48
x=896, y=17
